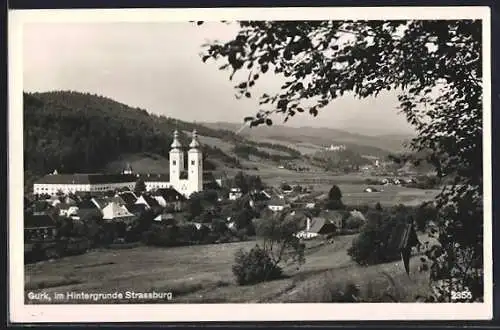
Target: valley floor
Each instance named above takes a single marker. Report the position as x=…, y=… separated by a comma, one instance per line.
x=202, y=274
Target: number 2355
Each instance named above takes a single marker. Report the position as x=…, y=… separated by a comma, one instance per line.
x=461, y=295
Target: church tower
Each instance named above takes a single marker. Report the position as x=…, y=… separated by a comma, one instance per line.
x=176, y=160
x=195, y=165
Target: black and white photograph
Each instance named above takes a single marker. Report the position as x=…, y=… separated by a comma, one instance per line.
x=250, y=164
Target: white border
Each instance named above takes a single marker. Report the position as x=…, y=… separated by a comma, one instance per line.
x=227, y=312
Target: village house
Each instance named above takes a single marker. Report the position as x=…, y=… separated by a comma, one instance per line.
x=41, y=207
x=148, y=201
x=335, y=217
x=278, y=204
x=370, y=190
x=87, y=210
x=332, y=147
x=316, y=226
x=310, y=205
x=115, y=212
x=39, y=227
x=235, y=193
x=165, y=218
x=161, y=201
x=66, y=210
x=99, y=202
x=128, y=197
x=116, y=199
x=137, y=209
x=170, y=198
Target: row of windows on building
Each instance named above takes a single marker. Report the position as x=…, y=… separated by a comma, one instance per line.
x=80, y=188
x=174, y=162
x=158, y=185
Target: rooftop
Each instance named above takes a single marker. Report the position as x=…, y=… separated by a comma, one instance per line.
x=38, y=221
x=79, y=178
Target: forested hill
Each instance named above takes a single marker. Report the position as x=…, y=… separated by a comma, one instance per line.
x=78, y=132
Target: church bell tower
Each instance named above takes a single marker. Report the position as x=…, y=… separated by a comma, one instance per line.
x=176, y=160
x=195, y=165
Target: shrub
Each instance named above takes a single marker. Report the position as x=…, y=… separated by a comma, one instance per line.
x=160, y=235
x=371, y=246
x=354, y=223
x=242, y=234
x=188, y=233
x=254, y=266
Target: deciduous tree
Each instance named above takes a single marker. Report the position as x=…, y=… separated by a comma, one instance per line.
x=435, y=67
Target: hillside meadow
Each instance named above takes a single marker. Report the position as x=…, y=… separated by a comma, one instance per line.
x=202, y=274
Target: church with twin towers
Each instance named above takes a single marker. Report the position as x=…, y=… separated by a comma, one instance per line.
x=185, y=180
x=190, y=180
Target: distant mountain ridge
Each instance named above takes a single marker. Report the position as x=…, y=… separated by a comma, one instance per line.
x=319, y=136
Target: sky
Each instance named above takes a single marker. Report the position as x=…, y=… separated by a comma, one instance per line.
x=157, y=67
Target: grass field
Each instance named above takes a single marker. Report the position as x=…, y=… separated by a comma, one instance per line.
x=202, y=274
x=351, y=185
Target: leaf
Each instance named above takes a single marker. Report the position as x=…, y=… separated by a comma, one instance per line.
x=199, y=23
x=269, y=122
x=205, y=58
x=247, y=119
x=264, y=68
x=247, y=94
x=313, y=111
x=282, y=104
x=242, y=85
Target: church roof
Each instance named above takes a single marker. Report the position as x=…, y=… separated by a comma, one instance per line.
x=176, y=144
x=194, y=142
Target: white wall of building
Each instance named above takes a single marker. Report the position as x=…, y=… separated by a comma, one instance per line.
x=176, y=161
x=195, y=171
x=153, y=185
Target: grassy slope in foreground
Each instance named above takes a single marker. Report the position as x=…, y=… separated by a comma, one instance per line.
x=197, y=274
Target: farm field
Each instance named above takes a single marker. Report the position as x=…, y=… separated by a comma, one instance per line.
x=202, y=274
x=351, y=185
